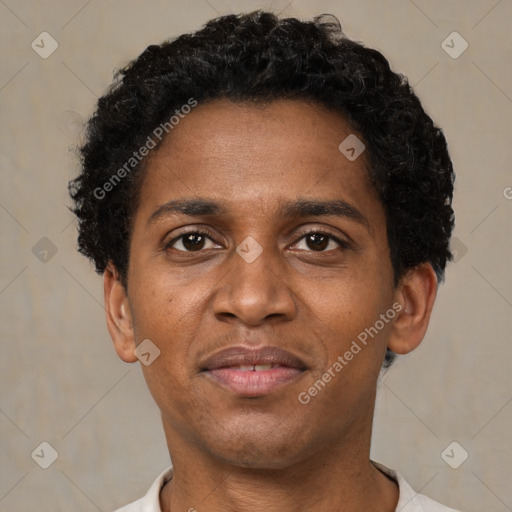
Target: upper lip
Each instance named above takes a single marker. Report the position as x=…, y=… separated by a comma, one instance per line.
x=237, y=356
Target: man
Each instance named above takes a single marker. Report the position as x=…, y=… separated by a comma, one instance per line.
x=270, y=207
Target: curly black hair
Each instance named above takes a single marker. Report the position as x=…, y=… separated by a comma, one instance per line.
x=258, y=57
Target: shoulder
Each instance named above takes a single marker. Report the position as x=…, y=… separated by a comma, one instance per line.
x=409, y=500
x=151, y=501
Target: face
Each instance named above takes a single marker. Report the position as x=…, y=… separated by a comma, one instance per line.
x=258, y=256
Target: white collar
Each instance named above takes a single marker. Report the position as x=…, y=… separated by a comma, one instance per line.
x=409, y=500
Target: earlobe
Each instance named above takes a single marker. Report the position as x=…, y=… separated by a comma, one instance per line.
x=416, y=294
x=118, y=313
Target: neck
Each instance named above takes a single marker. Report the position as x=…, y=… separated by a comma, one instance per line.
x=338, y=477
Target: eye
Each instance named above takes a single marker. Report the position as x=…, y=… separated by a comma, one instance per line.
x=320, y=242
x=192, y=242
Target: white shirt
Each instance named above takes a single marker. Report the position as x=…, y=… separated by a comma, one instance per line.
x=409, y=501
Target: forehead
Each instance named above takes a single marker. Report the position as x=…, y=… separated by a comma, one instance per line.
x=283, y=126
x=245, y=154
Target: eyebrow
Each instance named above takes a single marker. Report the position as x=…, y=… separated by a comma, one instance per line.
x=316, y=208
x=300, y=208
x=191, y=207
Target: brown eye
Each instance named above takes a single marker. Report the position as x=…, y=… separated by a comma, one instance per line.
x=191, y=242
x=317, y=241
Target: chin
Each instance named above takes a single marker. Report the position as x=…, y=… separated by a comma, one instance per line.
x=249, y=458
x=260, y=451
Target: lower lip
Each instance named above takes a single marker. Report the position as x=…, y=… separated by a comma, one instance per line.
x=254, y=383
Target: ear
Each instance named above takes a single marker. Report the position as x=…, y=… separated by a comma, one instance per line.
x=119, y=318
x=416, y=294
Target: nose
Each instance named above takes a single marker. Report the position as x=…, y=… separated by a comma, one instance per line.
x=254, y=292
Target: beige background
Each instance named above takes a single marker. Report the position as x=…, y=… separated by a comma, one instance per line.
x=60, y=379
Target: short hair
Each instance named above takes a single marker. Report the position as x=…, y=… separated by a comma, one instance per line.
x=259, y=58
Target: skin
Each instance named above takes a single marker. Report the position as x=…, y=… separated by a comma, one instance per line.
x=268, y=453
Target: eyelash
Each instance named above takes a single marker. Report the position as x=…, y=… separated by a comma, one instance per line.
x=202, y=232
x=205, y=232
x=343, y=244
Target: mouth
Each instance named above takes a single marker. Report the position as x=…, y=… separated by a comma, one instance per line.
x=253, y=372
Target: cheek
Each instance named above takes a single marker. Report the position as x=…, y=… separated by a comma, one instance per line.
x=351, y=300
x=170, y=318
x=347, y=316
x=164, y=303
x=354, y=344
x=170, y=312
